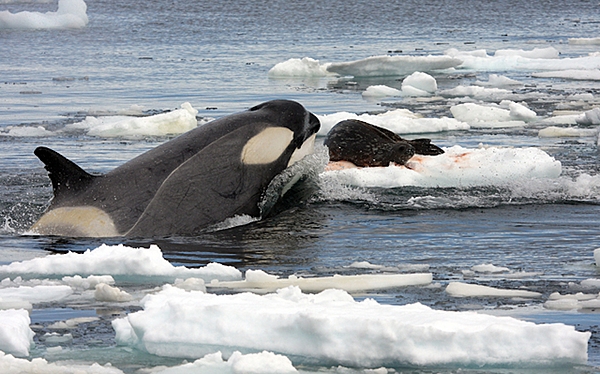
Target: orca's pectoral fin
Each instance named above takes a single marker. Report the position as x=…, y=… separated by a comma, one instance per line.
x=424, y=147
x=209, y=187
x=65, y=175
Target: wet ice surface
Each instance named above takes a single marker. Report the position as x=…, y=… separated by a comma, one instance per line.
x=510, y=232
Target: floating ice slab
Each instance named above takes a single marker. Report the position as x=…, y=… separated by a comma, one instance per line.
x=12, y=365
x=259, y=281
x=392, y=65
x=15, y=335
x=575, y=301
x=499, y=81
x=507, y=114
x=597, y=256
x=381, y=90
x=458, y=289
x=457, y=167
x=296, y=67
x=71, y=14
x=583, y=75
x=263, y=363
x=565, y=132
x=37, y=294
x=400, y=121
x=334, y=329
x=174, y=122
x=584, y=41
x=537, y=59
x=118, y=260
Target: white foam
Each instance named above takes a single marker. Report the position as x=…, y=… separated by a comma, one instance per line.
x=71, y=14
x=584, y=75
x=332, y=328
x=400, y=121
x=118, y=260
x=458, y=289
x=12, y=365
x=457, y=167
x=252, y=363
x=15, y=335
x=259, y=281
x=174, y=122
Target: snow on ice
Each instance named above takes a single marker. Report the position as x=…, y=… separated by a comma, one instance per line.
x=457, y=167
x=458, y=289
x=118, y=260
x=177, y=323
x=71, y=14
x=13, y=365
x=15, y=335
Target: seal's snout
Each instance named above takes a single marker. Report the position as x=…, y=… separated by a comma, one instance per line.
x=402, y=152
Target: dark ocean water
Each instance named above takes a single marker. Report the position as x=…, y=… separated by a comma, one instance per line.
x=216, y=55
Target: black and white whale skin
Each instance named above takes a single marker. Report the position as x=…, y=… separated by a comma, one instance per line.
x=187, y=184
x=367, y=145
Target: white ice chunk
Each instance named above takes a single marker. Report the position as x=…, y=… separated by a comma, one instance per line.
x=400, y=121
x=583, y=75
x=489, y=268
x=174, y=122
x=295, y=67
x=12, y=365
x=380, y=91
x=259, y=281
x=564, y=132
x=591, y=41
x=393, y=65
x=419, y=84
x=457, y=167
x=332, y=328
x=590, y=117
x=15, y=335
x=191, y=284
x=104, y=292
x=118, y=260
x=597, y=256
x=25, y=131
x=36, y=294
x=477, y=92
x=492, y=116
x=499, y=81
x=252, y=363
x=89, y=282
x=458, y=289
x=543, y=53
x=71, y=14
x=573, y=301
x=71, y=323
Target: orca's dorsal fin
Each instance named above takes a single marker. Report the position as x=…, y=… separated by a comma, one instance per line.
x=66, y=176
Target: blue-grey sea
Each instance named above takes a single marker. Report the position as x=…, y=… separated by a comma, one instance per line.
x=216, y=55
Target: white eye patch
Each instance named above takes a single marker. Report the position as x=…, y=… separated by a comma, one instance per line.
x=267, y=146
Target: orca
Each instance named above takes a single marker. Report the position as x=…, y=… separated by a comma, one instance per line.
x=198, y=179
x=367, y=145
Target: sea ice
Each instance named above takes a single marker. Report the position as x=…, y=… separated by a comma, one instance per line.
x=118, y=260
x=259, y=281
x=597, y=256
x=584, y=75
x=499, y=81
x=174, y=122
x=458, y=289
x=381, y=90
x=477, y=92
x=574, y=301
x=12, y=365
x=457, y=167
x=25, y=131
x=489, y=268
x=295, y=67
x=15, y=335
x=400, y=121
x=252, y=363
x=36, y=294
x=419, y=84
x=584, y=41
x=104, y=292
x=70, y=14
x=377, y=66
x=507, y=114
x=334, y=329
x=563, y=132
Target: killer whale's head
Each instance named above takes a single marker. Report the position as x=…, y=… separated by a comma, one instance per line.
x=291, y=134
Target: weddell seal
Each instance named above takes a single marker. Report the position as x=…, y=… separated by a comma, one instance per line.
x=366, y=145
x=209, y=174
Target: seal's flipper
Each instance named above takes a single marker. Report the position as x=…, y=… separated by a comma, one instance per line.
x=66, y=176
x=219, y=182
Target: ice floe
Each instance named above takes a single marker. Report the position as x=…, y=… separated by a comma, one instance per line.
x=572, y=301
x=564, y=132
x=36, y=294
x=259, y=281
x=584, y=75
x=505, y=114
x=457, y=167
x=458, y=289
x=296, y=67
x=118, y=260
x=13, y=365
x=400, y=121
x=584, y=41
x=16, y=337
x=597, y=256
x=173, y=122
x=71, y=14
x=342, y=331
x=499, y=81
